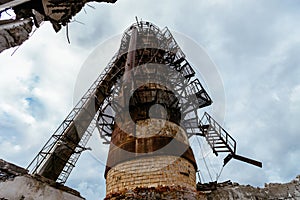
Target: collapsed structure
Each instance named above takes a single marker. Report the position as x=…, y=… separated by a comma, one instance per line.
x=30, y=13
x=17, y=183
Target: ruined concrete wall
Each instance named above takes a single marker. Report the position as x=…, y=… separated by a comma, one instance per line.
x=151, y=172
x=14, y=33
x=30, y=14
x=16, y=183
x=26, y=187
x=234, y=191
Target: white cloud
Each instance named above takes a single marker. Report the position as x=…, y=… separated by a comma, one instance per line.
x=254, y=44
x=295, y=95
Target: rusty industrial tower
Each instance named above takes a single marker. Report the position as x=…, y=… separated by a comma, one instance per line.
x=145, y=105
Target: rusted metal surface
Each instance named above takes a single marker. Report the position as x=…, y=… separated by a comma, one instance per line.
x=130, y=61
x=146, y=96
x=150, y=147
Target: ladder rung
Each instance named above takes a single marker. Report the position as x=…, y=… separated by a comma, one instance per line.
x=220, y=142
x=219, y=147
x=222, y=151
x=212, y=133
x=213, y=137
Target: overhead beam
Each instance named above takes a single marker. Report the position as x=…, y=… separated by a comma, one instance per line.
x=248, y=160
x=11, y=3
x=243, y=159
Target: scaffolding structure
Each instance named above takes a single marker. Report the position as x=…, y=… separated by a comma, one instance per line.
x=98, y=106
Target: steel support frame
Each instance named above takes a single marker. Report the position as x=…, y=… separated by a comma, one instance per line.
x=101, y=93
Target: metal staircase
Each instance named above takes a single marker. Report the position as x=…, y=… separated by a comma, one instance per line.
x=217, y=138
x=220, y=141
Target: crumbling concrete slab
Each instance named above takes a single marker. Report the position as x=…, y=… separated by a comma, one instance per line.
x=232, y=191
x=16, y=183
x=29, y=13
x=14, y=32
x=10, y=170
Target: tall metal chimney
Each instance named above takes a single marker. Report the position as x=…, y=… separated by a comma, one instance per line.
x=149, y=147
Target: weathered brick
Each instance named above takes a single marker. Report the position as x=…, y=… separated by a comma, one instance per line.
x=136, y=173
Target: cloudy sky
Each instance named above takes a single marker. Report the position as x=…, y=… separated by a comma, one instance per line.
x=255, y=46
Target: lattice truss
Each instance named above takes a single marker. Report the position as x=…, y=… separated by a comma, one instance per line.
x=98, y=106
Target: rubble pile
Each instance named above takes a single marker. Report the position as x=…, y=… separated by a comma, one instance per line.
x=160, y=192
x=232, y=191
x=8, y=171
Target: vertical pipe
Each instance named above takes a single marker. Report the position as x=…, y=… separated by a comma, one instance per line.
x=130, y=61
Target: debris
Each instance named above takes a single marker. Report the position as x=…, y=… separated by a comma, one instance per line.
x=160, y=192
x=14, y=32
x=29, y=13
x=16, y=183
x=229, y=190
x=9, y=170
